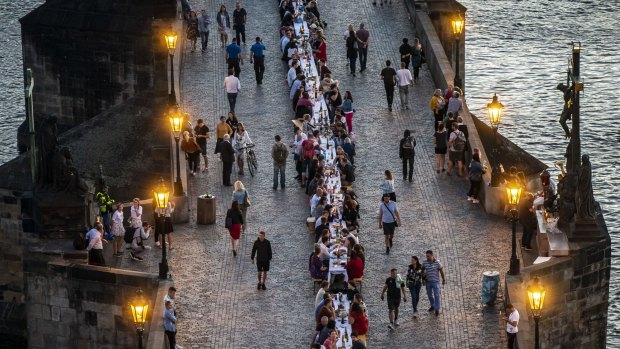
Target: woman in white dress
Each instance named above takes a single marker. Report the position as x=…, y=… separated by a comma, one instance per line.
x=118, y=230
x=136, y=214
x=240, y=140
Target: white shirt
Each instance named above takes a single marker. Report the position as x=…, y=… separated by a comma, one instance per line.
x=94, y=240
x=324, y=251
x=284, y=42
x=403, y=76
x=232, y=84
x=167, y=212
x=117, y=217
x=136, y=216
x=240, y=140
x=319, y=297
x=292, y=75
x=167, y=298
x=315, y=198
x=514, y=316
x=298, y=142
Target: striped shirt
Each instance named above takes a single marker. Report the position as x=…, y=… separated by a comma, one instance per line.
x=431, y=270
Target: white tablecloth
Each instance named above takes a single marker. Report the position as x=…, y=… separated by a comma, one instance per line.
x=342, y=327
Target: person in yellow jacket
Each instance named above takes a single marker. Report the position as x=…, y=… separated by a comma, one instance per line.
x=437, y=105
x=105, y=202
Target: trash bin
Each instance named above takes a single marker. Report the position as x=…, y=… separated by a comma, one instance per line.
x=205, y=212
x=490, y=284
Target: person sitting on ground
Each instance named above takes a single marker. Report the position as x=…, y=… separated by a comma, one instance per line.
x=137, y=243
x=315, y=265
x=354, y=267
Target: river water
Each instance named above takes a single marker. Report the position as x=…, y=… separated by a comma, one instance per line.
x=517, y=49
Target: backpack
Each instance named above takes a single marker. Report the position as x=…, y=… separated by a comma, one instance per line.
x=308, y=149
x=80, y=242
x=459, y=142
x=280, y=153
x=128, y=237
x=409, y=143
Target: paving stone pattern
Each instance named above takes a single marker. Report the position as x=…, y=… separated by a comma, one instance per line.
x=219, y=304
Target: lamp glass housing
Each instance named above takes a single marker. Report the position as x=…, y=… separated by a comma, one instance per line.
x=457, y=26
x=171, y=40
x=161, y=195
x=495, y=112
x=536, y=295
x=176, y=122
x=513, y=193
x=139, y=311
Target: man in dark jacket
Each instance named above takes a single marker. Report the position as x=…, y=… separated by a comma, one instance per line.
x=228, y=159
x=262, y=251
x=406, y=151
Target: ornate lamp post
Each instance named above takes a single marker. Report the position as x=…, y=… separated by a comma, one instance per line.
x=171, y=44
x=514, y=195
x=495, y=115
x=458, y=24
x=139, y=311
x=536, y=295
x=176, y=126
x=161, y=195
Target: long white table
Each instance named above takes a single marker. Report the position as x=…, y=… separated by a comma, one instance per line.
x=343, y=326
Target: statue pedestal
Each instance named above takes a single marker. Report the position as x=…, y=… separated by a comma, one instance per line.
x=61, y=215
x=181, y=209
x=494, y=199
x=585, y=229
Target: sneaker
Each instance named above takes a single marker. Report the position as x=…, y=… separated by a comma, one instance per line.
x=396, y=322
x=390, y=325
x=134, y=257
x=234, y=253
x=178, y=347
x=263, y=287
x=431, y=309
x=436, y=312
x=527, y=248
x=147, y=247
x=157, y=243
x=387, y=250
x=258, y=286
x=475, y=201
x=118, y=255
x=469, y=198
x=415, y=314
x=389, y=108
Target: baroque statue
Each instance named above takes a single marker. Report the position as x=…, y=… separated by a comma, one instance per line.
x=585, y=195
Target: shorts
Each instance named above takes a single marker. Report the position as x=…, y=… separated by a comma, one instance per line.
x=393, y=303
x=441, y=151
x=305, y=164
x=203, y=146
x=455, y=156
x=389, y=228
x=262, y=266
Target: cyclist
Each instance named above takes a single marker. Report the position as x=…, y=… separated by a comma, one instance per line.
x=241, y=139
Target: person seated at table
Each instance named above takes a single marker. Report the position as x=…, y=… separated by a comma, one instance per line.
x=319, y=231
x=332, y=340
x=340, y=154
x=326, y=310
x=331, y=326
x=319, y=306
x=315, y=265
x=358, y=318
x=314, y=200
x=349, y=213
x=349, y=149
x=296, y=97
x=349, y=242
x=354, y=267
x=319, y=208
x=326, y=84
x=339, y=285
x=346, y=234
x=324, y=247
x=321, y=326
x=304, y=105
x=361, y=253
x=312, y=183
x=351, y=290
x=298, y=83
x=347, y=172
x=319, y=295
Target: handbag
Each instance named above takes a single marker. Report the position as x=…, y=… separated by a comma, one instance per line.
x=390, y=211
x=246, y=200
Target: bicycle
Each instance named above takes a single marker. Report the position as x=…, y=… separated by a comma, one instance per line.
x=250, y=158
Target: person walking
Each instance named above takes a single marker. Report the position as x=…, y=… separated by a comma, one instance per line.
x=512, y=325
x=437, y=105
x=257, y=56
x=441, y=148
x=192, y=29
x=203, y=28
x=456, y=144
x=118, y=230
x=387, y=186
x=95, y=245
x=234, y=57
x=406, y=151
x=192, y=152
x=415, y=272
x=232, y=85
x=351, y=44
x=403, y=76
x=388, y=75
x=263, y=254
x=394, y=290
x=389, y=219
x=223, y=25
x=228, y=159
x=475, y=178
x=416, y=59
x=234, y=221
x=240, y=195
x=279, y=154
x=240, y=18
x=241, y=139
x=405, y=53
x=202, y=134
x=432, y=270
x=363, y=37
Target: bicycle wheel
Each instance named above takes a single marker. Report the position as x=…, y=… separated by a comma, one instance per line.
x=251, y=164
x=254, y=162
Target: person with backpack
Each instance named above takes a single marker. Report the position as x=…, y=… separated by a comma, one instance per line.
x=137, y=241
x=279, y=154
x=406, y=152
x=441, y=147
x=456, y=144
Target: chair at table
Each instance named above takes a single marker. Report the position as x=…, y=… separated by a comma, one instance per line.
x=316, y=282
x=358, y=283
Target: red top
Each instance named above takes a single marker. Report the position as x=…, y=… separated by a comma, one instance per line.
x=322, y=54
x=355, y=268
x=360, y=324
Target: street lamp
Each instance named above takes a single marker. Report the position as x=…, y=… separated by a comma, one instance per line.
x=514, y=195
x=536, y=295
x=171, y=44
x=458, y=24
x=495, y=115
x=161, y=195
x=139, y=311
x=176, y=126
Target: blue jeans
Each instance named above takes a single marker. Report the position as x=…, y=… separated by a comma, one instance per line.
x=281, y=169
x=433, y=291
x=415, y=296
x=363, y=53
x=232, y=100
x=204, y=39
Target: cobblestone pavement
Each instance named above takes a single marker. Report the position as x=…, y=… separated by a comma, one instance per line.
x=219, y=304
